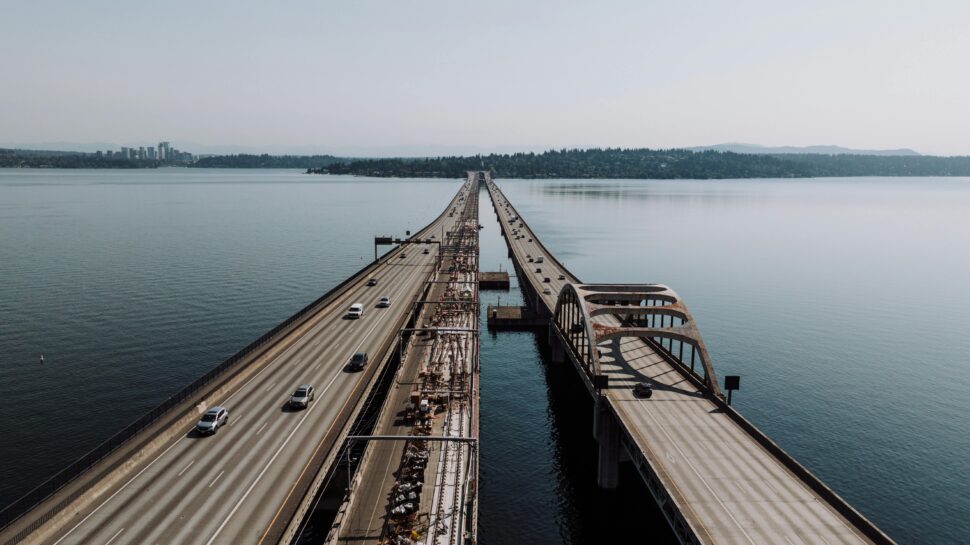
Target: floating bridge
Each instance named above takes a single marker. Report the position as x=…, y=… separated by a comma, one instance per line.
x=716, y=477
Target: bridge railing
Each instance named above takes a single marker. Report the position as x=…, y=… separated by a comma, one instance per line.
x=549, y=256
x=23, y=505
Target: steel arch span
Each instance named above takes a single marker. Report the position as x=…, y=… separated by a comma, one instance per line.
x=590, y=314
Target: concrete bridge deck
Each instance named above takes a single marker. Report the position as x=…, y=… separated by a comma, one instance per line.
x=243, y=484
x=717, y=479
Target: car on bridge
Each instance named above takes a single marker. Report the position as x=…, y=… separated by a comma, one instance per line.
x=357, y=362
x=212, y=420
x=643, y=390
x=355, y=311
x=302, y=397
x=384, y=302
x=372, y=282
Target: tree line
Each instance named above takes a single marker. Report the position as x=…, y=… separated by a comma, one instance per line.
x=654, y=164
x=243, y=160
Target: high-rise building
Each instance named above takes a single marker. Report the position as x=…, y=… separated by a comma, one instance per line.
x=164, y=151
x=150, y=152
x=125, y=153
x=141, y=153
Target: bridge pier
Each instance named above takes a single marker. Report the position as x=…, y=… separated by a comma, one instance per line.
x=607, y=435
x=558, y=352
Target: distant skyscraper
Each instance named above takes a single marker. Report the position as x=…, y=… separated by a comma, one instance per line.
x=164, y=151
x=141, y=153
x=125, y=153
x=150, y=152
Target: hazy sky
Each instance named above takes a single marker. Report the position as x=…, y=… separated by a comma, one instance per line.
x=374, y=77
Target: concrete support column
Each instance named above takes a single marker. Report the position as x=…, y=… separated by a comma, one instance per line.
x=607, y=435
x=558, y=352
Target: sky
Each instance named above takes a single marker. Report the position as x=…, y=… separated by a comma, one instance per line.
x=438, y=77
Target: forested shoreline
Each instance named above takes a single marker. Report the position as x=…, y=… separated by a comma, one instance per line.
x=654, y=164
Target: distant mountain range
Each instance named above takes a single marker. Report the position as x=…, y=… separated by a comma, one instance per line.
x=785, y=150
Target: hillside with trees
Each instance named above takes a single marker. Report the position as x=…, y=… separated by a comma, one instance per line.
x=266, y=161
x=655, y=164
x=18, y=158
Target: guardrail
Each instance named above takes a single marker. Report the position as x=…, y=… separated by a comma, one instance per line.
x=548, y=255
x=23, y=505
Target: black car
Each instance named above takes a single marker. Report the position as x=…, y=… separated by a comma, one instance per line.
x=643, y=390
x=357, y=362
x=372, y=282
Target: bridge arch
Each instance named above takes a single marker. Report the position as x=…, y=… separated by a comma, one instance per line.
x=572, y=318
x=589, y=314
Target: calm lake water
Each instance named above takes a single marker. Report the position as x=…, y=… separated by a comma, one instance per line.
x=843, y=304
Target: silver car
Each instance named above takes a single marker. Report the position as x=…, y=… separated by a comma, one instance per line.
x=212, y=420
x=302, y=397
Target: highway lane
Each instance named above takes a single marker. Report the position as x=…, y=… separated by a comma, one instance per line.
x=364, y=519
x=228, y=488
x=731, y=490
x=735, y=490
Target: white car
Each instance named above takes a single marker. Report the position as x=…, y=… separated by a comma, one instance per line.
x=356, y=310
x=212, y=420
x=384, y=302
x=302, y=397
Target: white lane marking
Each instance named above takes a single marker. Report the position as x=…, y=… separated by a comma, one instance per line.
x=261, y=428
x=118, y=491
x=186, y=468
x=285, y=442
x=157, y=458
x=650, y=415
x=234, y=420
x=114, y=536
x=266, y=467
x=269, y=365
x=216, y=479
x=270, y=387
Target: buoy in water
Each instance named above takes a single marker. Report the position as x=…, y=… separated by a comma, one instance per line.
x=42, y=358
